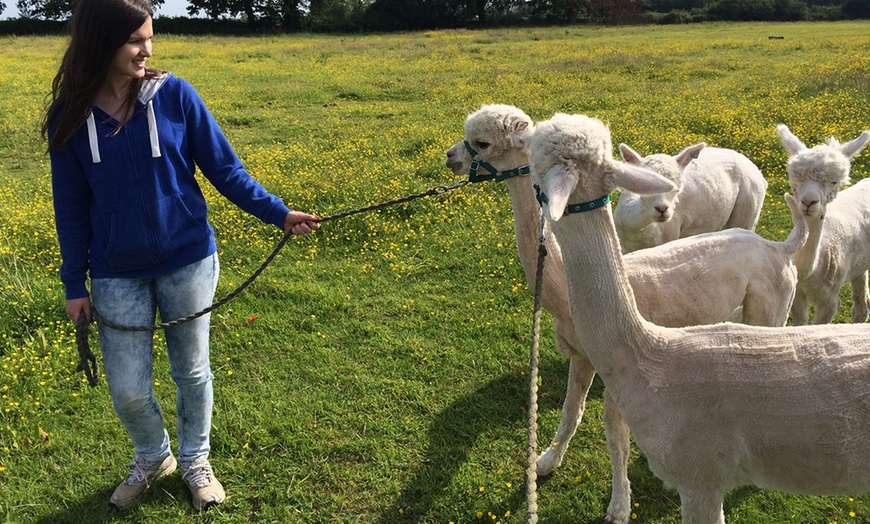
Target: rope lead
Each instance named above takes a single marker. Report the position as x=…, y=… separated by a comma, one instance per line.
x=531, y=465
x=87, y=361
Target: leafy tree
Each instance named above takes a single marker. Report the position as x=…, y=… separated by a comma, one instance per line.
x=2, y=7
x=559, y=11
x=758, y=9
x=741, y=9
x=410, y=15
x=213, y=9
x=54, y=9
x=666, y=6
x=856, y=8
x=335, y=15
x=790, y=10
x=284, y=14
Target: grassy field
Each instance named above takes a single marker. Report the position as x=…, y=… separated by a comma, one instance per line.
x=377, y=372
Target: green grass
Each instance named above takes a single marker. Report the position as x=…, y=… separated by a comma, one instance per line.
x=377, y=372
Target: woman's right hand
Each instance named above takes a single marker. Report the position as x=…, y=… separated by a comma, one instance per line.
x=76, y=306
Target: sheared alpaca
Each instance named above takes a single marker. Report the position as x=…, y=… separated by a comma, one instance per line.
x=716, y=189
x=711, y=407
x=698, y=280
x=838, y=250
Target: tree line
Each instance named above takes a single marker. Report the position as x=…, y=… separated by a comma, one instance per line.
x=240, y=16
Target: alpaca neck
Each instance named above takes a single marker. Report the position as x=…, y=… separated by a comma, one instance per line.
x=526, y=210
x=527, y=219
x=807, y=257
x=602, y=302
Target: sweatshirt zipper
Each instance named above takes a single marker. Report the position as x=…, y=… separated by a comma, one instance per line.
x=153, y=240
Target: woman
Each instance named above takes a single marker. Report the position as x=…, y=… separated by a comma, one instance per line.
x=125, y=141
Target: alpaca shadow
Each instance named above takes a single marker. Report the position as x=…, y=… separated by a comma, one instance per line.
x=498, y=404
x=95, y=509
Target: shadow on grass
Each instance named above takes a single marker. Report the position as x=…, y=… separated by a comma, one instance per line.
x=94, y=508
x=500, y=404
x=452, y=435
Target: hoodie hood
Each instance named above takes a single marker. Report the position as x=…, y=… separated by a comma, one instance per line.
x=146, y=95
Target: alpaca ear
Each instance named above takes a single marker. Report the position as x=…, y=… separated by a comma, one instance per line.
x=791, y=143
x=557, y=187
x=629, y=155
x=792, y=204
x=640, y=180
x=855, y=146
x=690, y=153
x=522, y=135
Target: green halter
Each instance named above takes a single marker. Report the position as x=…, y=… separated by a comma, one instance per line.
x=494, y=173
x=574, y=208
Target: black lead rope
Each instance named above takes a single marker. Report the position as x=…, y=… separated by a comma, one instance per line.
x=87, y=360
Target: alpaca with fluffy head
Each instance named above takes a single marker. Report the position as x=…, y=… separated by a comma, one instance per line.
x=715, y=189
x=711, y=407
x=697, y=280
x=838, y=250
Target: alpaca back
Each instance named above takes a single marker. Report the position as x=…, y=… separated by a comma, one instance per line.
x=724, y=189
x=720, y=189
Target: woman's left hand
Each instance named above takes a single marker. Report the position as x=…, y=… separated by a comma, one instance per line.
x=300, y=223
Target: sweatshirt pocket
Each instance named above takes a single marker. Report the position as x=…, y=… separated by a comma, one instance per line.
x=150, y=236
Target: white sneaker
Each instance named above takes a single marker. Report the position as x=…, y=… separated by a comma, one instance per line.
x=205, y=490
x=140, y=477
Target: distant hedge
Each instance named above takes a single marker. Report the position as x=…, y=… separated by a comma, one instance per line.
x=166, y=25
x=30, y=26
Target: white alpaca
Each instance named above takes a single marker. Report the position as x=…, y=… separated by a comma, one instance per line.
x=838, y=250
x=711, y=407
x=698, y=280
x=716, y=189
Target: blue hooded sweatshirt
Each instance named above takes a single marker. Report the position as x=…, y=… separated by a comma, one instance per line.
x=129, y=206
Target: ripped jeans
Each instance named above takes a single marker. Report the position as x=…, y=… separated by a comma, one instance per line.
x=128, y=356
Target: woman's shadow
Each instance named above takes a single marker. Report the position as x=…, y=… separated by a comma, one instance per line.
x=94, y=508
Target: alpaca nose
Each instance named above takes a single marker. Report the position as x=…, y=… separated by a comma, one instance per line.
x=452, y=162
x=662, y=209
x=809, y=203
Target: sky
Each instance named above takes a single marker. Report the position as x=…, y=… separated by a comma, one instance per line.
x=169, y=8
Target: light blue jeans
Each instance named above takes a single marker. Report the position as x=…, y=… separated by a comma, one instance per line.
x=128, y=356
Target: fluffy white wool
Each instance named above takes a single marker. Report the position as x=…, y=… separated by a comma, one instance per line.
x=674, y=283
x=715, y=189
x=711, y=407
x=838, y=250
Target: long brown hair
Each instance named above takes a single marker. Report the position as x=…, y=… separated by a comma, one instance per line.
x=98, y=29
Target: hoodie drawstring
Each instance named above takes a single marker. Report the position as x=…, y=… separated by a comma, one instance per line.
x=152, y=134
x=92, y=138
x=152, y=130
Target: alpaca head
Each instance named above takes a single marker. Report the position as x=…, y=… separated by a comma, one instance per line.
x=572, y=159
x=499, y=134
x=660, y=207
x=816, y=174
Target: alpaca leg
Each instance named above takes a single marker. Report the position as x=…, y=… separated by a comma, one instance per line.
x=826, y=310
x=736, y=316
x=618, y=444
x=702, y=507
x=760, y=310
x=860, y=299
x=580, y=375
x=800, y=310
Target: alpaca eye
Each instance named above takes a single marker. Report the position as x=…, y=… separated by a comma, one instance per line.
x=482, y=144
